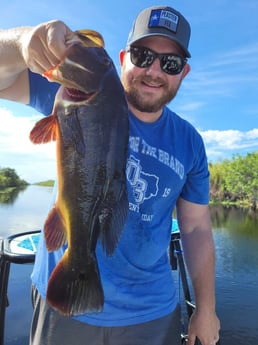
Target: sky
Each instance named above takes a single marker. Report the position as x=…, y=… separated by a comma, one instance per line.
x=219, y=96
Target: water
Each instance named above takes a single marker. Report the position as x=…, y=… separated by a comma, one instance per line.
x=236, y=241
x=24, y=211
x=20, y=212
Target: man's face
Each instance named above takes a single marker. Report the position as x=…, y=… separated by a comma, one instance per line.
x=149, y=89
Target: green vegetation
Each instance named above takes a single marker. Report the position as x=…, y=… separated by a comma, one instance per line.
x=48, y=183
x=232, y=181
x=235, y=181
x=9, y=179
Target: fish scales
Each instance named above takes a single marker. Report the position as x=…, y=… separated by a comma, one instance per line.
x=90, y=125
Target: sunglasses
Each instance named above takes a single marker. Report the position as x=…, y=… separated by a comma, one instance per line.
x=144, y=57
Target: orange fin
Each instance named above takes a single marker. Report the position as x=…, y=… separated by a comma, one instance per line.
x=73, y=290
x=54, y=230
x=50, y=72
x=44, y=130
x=90, y=38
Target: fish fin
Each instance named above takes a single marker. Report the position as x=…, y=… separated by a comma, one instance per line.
x=75, y=290
x=50, y=73
x=44, y=130
x=90, y=38
x=112, y=223
x=54, y=230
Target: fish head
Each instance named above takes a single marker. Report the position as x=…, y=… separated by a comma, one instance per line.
x=84, y=65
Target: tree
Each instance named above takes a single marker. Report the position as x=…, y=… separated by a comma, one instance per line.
x=9, y=178
x=236, y=179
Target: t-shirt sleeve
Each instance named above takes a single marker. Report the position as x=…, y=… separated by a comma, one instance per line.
x=42, y=93
x=197, y=185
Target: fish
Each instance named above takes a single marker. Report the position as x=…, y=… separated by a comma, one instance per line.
x=89, y=123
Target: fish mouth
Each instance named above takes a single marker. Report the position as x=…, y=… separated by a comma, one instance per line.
x=76, y=95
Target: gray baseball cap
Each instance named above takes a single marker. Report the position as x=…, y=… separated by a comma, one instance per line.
x=161, y=21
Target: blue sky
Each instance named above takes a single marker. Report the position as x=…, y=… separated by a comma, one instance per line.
x=219, y=96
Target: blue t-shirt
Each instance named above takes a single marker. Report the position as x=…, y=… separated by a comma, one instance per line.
x=166, y=160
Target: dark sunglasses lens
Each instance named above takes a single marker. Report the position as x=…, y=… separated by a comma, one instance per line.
x=141, y=57
x=172, y=64
x=144, y=57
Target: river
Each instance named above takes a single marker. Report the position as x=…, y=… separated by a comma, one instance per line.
x=236, y=242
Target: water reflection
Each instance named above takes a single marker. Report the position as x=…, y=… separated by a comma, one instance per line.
x=9, y=195
x=236, y=243
x=27, y=211
x=236, y=220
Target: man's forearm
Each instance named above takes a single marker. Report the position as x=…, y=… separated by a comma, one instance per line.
x=11, y=58
x=200, y=260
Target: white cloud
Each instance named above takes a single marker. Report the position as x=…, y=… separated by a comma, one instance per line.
x=222, y=144
x=31, y=162
x=37, y=162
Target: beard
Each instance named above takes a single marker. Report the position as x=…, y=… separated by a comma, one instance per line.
x=147, y=104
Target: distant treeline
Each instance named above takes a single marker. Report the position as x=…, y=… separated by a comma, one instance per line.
x=10, y=179
x=231, y=181
x=235, y=180
x=48, y=183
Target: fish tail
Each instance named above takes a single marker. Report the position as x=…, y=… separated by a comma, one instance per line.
x=75, y=290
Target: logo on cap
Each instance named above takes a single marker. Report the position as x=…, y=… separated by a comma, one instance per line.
x=164, y=19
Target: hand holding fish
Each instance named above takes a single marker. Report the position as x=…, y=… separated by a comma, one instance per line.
x=44, y=46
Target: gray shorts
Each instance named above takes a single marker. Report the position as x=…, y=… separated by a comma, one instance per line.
x=50, y=328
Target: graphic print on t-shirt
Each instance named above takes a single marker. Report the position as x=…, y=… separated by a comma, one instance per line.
x=157, y=176
x=144, y=185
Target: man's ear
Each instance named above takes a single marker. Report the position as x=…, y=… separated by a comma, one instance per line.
x=186, y=70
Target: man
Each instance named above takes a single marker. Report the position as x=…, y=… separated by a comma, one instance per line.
x=167, y=166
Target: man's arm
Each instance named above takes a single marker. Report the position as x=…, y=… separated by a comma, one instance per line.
x=13, y=69
x=197, y=241
x=36, y=48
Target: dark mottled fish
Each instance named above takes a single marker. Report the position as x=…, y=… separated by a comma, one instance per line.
x=90, y=125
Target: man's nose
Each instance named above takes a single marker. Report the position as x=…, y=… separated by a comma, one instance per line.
x=155, y=66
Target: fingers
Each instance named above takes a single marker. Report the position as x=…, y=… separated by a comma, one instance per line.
x=57, y=39
x=44, y=46
x=191, y=339
x=195, y=341
x=203, y=329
